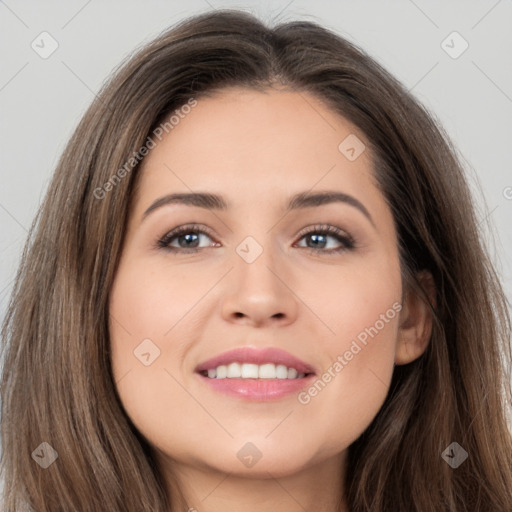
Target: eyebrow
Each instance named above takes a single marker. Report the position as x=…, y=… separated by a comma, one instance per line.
x=298, y=201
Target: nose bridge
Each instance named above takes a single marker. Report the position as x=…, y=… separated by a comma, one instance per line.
x=257, y=247
x=256, y=262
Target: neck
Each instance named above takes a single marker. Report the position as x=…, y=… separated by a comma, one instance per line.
x=205, y=489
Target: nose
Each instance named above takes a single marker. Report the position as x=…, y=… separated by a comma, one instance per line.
x=260, y=293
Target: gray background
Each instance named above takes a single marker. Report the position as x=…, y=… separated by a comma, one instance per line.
x=41, y=100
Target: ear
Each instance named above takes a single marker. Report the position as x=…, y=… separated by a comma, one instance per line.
x=415, y=323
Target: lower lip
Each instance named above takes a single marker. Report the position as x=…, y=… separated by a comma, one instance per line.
x=261, y=390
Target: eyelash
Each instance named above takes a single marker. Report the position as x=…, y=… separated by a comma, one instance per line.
x=322, y=229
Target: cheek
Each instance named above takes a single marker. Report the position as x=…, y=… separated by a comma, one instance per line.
x=353, y=386
x=354, y=297
x=366, y=311
x=138, y=318
x=361, y=308
x=148, y=300
x=143, y=308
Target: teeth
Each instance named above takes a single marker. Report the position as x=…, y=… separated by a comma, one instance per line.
x=268, y=371
x=222, y=372
x=248, y=371
x=254, y=371
x=234, y=371
x=292, y=373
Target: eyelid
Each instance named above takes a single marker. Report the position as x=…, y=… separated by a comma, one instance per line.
x=192, y=227
x=328, y=229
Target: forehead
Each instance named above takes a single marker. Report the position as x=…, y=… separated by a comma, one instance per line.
x=259, y=146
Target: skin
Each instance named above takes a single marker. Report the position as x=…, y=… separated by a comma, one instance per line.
x=257, y=149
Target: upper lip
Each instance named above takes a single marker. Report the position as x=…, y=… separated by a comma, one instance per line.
x=256, y=356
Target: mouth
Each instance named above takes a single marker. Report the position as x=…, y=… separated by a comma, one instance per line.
x=244, y=371
x=256, y=374
x=255, y=363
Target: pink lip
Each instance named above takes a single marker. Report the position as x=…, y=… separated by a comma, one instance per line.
x=258, y=390
x=256, y=356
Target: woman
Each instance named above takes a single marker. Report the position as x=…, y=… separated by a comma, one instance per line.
x=265, y=368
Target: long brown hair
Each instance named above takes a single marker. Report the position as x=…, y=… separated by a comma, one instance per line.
x=57, y=385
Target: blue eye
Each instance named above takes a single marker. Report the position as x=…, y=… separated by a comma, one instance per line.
x=189, y=235
x=188, y=239
x=320, y=234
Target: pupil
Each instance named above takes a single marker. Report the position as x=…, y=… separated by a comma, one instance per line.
x=187, y=238
x=316, y=237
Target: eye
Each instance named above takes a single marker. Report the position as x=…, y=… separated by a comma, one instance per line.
x=187, y=238
x=319, y=235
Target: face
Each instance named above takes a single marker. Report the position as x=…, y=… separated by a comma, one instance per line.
x=256, y=274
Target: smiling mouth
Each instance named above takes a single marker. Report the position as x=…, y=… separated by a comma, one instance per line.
x=251, y=371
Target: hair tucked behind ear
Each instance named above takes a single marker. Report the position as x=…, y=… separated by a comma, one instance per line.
x=57, y=385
